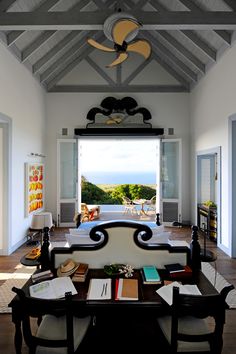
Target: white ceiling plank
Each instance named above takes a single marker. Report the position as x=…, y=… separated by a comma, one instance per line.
x=194, y=7
x=176, y=61
x=200, y=43
x=45, y=6
x=75, y=48
x=55, y=50
x=73, y=61
x=36, y=44
x=184, y=51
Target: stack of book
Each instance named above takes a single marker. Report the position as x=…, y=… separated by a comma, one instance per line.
x=176, y=270
x=150, y=275
x=47, y=274
x=80, y=273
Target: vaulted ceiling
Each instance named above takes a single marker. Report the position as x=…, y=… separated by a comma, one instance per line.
x=49, y=38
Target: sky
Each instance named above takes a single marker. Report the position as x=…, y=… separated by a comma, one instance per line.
x=118, y=155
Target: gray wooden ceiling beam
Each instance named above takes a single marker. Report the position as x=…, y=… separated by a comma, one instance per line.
x=194, y=7
x=6, y=4
x=207, y=20
x=231, y=4
x=36, y=44
x=104, y=88
x=71, y=51
x=118, y=74
x=66, y=66
x=183, y=50
x=137, y=71
x=101, y=72
x=194, y=38
x=45, y=6
x=73, y=62
x=171, y=40
x=54, y=51
x=166, y=52
x=211, y=53
x=64, y=42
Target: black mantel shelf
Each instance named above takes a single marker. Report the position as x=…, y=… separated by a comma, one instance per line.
x=119, y=132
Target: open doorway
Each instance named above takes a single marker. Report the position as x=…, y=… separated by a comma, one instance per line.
x=136, y=160
x=115, y=167
x=208, y=193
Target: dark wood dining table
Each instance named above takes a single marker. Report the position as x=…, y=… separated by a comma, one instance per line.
x=148, y=306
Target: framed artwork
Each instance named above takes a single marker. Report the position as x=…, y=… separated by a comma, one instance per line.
x=34, y=187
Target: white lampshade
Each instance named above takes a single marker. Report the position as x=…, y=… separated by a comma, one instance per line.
x=41, y=220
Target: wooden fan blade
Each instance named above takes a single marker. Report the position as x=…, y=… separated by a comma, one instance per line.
x=97, y=45
x=141, y=46
x=122, y=29
x=122, y=57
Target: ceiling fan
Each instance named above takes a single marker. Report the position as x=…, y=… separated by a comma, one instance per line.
x=121, y=28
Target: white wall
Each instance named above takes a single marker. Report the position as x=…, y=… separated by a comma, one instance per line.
x=23, y=101
x=1, y=186
x=211, y=104
x=70, y=110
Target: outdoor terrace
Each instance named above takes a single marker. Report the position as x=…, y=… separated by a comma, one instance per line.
x=116, y=212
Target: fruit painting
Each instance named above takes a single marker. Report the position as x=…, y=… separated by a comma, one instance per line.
x=34, y=187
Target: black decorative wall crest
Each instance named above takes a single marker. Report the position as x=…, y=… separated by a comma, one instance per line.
x=119, y=117
x=119, y=112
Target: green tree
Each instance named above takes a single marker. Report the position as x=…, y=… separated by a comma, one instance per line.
x=92, y=194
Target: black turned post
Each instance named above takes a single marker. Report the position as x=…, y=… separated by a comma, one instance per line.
x=44, y=257
x=158, y=219
x=195, y=251
x=78, y=220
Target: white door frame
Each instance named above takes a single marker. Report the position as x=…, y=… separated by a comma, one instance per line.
x=214, y=151
x=60, y=200
x=232, y=186
x=5, y=199
x=171, y=201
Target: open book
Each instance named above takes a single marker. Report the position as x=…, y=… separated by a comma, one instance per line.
x=166, y=291
x=99, y=289
x=52, y=289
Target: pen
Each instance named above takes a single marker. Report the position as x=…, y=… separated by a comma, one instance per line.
x=106, y=289
x=103, y=288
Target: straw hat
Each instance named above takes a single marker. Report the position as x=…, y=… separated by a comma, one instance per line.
x=67, y=268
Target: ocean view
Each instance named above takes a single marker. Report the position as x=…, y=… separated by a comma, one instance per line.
x=120, y=177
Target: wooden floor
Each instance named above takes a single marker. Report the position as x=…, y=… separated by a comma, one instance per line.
x=225, y=266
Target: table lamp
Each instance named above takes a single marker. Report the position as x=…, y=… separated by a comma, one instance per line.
x=41, y=220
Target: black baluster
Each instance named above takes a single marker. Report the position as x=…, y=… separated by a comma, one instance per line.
x=195, y=251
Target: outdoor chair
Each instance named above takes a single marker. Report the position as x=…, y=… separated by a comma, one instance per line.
x=58, y=331
x=89, y=212
x=151, y=204
x=129, y=206
x=186, y=330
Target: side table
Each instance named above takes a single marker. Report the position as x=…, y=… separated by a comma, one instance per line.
x=30, y=262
